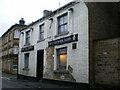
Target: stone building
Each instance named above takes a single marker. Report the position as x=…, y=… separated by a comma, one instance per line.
x=10, y=46
x=104, y=38
x=66, y=44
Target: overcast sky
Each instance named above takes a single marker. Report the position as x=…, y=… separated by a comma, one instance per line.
x=11, y=11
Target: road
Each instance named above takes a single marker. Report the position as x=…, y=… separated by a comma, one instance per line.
x=11, y=81
x=11, y=84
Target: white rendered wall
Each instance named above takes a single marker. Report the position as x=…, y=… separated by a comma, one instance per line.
x=77, y=59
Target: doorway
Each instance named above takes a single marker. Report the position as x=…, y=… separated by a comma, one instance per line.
x=40, y=58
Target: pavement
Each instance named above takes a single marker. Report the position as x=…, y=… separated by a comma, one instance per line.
x=12, y=80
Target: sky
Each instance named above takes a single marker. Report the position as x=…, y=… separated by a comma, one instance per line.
x=11, y=11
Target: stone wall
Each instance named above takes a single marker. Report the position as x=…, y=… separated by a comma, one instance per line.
x=7, y=65
x=104, y=19
x=49, y=74
x=104, y=23
x=107, y=62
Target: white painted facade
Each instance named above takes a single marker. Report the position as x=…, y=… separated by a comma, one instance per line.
x=78, y=58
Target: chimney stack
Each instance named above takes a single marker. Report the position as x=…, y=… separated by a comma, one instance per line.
x=46, y=13
x=22, y=22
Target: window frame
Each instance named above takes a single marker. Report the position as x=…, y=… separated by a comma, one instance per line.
x=62, y=24
x=15, y=65
x=26, y=67
x=11, y=36
x=27, y=37
x=41, y=32
x=58, y=69
x=16, y=34
x=16, y=49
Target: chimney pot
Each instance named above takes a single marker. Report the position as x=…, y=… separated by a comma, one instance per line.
x=22, y=22
x=46, y=13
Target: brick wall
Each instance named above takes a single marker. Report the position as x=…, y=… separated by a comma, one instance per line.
x=104, y=23
x=107, y=61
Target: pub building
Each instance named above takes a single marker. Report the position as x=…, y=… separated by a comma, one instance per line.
x=60, y=45
x=55, y=47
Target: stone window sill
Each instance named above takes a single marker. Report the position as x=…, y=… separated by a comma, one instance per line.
x=27, y=44
x=61, y=71
x=62, y=34
x=26, y=69
x=40, y=40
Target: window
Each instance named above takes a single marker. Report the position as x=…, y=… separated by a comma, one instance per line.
x=41, y=32
x=62, y=24
x=7, y=39
x=16, y=33
x=10, y=36
x=15, y=65
x=28, y=37
x=26, y=62
x=61, y=59
x=16, y=49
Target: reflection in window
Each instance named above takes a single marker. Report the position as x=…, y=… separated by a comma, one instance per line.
x=16, y=33
x=28, y=37
x=26, y=62
x=62, y=24
x=62, y=58
x=41, y=32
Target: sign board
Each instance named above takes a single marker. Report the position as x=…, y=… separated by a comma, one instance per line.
x=69, y=39
x=27, y=49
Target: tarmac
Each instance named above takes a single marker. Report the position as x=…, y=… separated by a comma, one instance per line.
x=31, y=84
x=47, y=84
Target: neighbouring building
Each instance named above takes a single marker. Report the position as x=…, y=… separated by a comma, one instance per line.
x=0, y=54
x=74, y=43
x=10, y=46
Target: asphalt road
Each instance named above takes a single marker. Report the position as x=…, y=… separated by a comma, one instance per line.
x=11, y=81
x=10, y=84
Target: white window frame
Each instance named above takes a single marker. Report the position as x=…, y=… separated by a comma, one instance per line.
x=41, y=32
x=27, y=38
x=26, y=60
x=16, y=49
x=62, y=24
x=15, y=65
x=11, y=36
x=16, y=34
x=56, y=69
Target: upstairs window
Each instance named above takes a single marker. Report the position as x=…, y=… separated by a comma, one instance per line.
x=41, y=32
x=62, y=24
x=16, y=34
x=28, y=37
x=11, y=36
x=16, y=49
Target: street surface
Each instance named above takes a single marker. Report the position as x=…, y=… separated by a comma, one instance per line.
x=10, y=84
x=11, y=81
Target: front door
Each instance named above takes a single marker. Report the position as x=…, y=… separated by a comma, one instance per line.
x=40, y=58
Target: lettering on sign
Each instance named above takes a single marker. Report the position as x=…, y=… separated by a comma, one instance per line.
x=27, y=49
x=71, y=38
